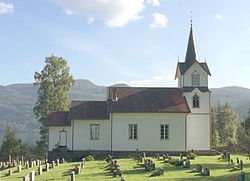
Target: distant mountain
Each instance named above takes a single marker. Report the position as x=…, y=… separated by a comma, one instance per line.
x=17, y=102
x=237, y=97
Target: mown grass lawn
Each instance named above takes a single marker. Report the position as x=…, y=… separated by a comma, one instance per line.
x=95, y=171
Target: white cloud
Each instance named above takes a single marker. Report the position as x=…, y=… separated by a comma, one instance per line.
x=219, y=17
x=91, y=20
x=115, y=13
x=154, y=2
x=159, y=21
x=6, y=8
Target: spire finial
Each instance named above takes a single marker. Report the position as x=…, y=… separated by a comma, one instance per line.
x=191, y=18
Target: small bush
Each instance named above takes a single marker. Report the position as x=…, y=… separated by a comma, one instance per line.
x=172, y=161
x=192, y=156
x=89, y=158
x=157, y=172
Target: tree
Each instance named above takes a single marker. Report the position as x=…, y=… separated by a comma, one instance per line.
x=53, y=83
x=247, y=121
x=10, y=145
x=226, y=122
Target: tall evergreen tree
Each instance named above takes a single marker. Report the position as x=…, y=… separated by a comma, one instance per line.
x=10, y=145
x=53, y=83
x=226, y=123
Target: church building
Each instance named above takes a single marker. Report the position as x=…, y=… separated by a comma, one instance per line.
x=147, y=119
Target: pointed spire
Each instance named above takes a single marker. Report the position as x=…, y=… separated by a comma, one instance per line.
x=192, y=53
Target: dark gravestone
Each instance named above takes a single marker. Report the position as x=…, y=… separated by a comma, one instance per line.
x=181, y=156
x=232, y=162
x=228, y=156
x=181, y=163
x=237, y=160
x=241, y=165
x=10, y=172
x=243, y=175
x=187, y=163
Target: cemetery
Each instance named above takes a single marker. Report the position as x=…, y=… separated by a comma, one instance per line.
x=139, y=167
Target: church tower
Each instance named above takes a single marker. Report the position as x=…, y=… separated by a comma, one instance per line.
x=192, y=76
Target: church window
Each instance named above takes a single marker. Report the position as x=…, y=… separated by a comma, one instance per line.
x=195, y=79
x=63, y=138
x=132, y=131
x=164, y=131
x=196, y=101
x=114, y=94
x=94, y=131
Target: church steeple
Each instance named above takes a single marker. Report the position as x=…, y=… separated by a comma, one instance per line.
x=192, y=53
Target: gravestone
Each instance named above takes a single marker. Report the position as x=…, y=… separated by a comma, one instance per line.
x=10, y=172
x=47, y=167
x=243, y=175
x=27, y=165
x=19, y=168
x=63, y=160
x=187, y=163
x=72, y=176
x=237, y=160
x=37, y=163
x=32, y=176
x=122, y=178
x=40, y=170
x=26, y=177
x=228, y=156
x=22, y=160
x=53, y=164
x=32, y=164
x=10, y=159
x=241, y=165
x=78, y=169
x=57, y=162
x=81, y=165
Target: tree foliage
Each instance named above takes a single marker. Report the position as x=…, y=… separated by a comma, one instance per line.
x=225, y=125
x=10, y=145
x=53, y=83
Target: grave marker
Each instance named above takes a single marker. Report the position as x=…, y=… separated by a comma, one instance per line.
x=32, y=176
x=40, y=170
x=72, y=176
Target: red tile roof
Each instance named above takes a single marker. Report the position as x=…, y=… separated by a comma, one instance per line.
x=88, y=110
x=58, y=119
x=131, y=99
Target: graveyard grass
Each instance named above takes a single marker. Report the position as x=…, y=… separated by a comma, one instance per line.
x=95, y=170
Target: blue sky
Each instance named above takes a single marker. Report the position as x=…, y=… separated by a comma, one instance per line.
x=133, y=41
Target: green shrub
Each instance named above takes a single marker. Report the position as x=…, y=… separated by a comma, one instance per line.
x=191, y=156
x=172, y=161
x=89, y=158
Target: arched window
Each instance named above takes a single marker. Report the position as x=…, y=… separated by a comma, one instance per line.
x=195, y=79
x=196, y=101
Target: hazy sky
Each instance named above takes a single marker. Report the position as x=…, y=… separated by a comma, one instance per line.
x=133, y=41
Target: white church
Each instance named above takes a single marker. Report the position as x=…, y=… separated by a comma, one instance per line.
x=142, y=118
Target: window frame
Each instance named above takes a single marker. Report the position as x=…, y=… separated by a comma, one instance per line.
x=165, y=136
x=132, y=128
x=196, y=102
x=60, y=138
x=195, y=79
x=96, y=134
